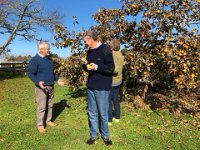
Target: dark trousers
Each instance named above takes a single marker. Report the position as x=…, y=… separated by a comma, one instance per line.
x=114, y=104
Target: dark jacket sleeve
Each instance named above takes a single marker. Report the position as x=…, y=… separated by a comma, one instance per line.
x=108, y=66
x=32, y=71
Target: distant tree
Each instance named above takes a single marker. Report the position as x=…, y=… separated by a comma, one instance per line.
x=24, y=18
x=18, y=58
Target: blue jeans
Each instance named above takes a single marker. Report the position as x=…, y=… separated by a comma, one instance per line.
x=114, y=104
x=98, y=112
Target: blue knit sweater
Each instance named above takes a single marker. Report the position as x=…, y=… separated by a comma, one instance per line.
x=101, y=79
x=42, y=69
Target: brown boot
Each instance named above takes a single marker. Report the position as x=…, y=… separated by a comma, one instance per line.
x=52, y=124
x=41, y=129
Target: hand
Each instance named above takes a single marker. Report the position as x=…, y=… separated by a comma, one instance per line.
x=61, y=82
x=84, y=61
x=88, y=67
x=41, y=84
x=91, y=66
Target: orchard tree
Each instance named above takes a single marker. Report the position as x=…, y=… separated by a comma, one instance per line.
x=24, y=18
x=157, y=33
x=71, y=68
x=158, y=37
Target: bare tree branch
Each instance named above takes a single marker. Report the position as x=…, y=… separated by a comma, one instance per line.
x=24, y=18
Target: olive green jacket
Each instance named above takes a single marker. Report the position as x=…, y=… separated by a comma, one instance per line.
x=119, y=62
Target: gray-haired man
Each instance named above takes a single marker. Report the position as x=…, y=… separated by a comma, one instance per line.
x=41, y=72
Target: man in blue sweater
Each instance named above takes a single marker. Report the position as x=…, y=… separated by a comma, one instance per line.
x=100, y=66
x=41, y=72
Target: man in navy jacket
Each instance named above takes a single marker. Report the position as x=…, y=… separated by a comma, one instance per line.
x=100, y=66
x=41, y=72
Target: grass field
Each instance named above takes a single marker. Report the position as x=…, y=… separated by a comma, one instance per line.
x=137, y=130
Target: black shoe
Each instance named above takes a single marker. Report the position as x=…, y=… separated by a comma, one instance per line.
x=91, y=141
x=107, y=141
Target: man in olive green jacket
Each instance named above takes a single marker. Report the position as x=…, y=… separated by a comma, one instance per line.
x=114, y=102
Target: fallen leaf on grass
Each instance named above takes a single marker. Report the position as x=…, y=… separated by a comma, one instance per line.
x=147, y=137
x=136, y=114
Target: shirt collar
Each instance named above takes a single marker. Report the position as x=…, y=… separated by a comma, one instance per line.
x=41, y=55
x=98, y=44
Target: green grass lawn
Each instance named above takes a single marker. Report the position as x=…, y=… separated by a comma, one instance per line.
x=137, y=130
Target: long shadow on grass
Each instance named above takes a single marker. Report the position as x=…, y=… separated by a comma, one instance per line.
x=78, y=93
x=58, y=108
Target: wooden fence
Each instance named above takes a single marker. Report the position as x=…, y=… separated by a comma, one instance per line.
x=14, y=67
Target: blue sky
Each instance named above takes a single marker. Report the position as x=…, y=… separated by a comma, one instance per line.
x=83, y=9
